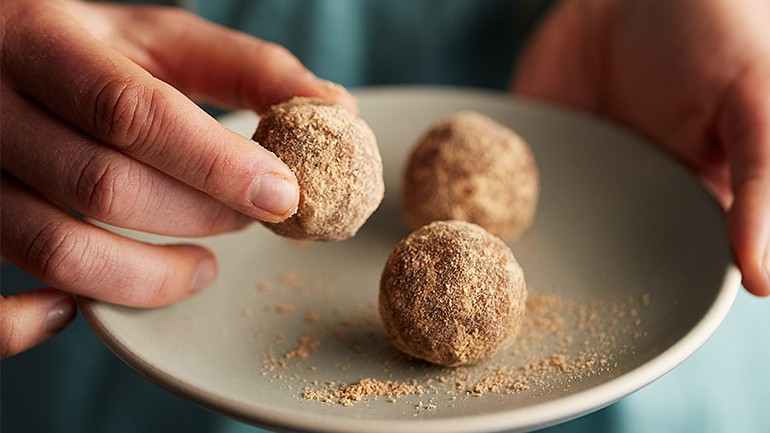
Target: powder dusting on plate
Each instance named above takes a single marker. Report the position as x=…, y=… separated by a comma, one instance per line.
x=561, y=343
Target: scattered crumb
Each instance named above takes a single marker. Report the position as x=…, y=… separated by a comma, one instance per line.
x=289, y=278
x=271, y=364
x=281, y=308
x=561, y=342
x=646, y=299
x=264, y=286
x=366, y=388
x=308, y=343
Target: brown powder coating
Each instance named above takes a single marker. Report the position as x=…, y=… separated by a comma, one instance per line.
x=335, y=157
x=452, y=294
x=469, y=167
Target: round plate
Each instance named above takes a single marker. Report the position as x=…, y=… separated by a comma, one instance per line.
x=627, y=262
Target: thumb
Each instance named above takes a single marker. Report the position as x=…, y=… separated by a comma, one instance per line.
x=745, y=129
x=28, y=319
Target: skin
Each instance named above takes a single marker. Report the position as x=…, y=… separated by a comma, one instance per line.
x=98, y=96
x=693, y=75
x=102, y=124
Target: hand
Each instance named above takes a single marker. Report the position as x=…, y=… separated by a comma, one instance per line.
x=692, y=74
x=96, y=118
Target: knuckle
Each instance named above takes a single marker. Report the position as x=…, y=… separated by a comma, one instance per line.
x=272, y=50
x=163, y=16
x=125, y=114
x=104, y=187
x=9, y=339
x=209, y=169
x=271, y=53
x=179, y=16
x=57, y=253
x=159, y=292
x=173, y=20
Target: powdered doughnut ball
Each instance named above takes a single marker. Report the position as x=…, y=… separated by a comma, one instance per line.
x=469, y=167
x=452, y=294
x=338, y=166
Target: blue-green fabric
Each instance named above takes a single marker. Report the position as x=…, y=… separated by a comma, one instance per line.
x=358, y=42
x=74, y=384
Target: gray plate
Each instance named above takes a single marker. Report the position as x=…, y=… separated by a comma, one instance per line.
x=627, y=262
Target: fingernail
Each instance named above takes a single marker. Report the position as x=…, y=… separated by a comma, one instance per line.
x=61, y=314
x=204, y=276
x=276, y=195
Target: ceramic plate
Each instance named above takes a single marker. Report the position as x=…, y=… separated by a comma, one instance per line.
x=627, y=263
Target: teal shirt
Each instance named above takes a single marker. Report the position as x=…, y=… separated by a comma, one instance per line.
x=356, y=43
x=74, y=384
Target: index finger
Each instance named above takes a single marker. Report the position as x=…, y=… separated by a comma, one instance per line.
x=237, y=70
x=56, y=62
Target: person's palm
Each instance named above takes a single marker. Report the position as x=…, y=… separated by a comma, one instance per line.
x=694, y=75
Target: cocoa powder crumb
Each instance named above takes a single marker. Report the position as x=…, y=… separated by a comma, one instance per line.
x=366, y=388
x=281, y=308
x=561, y=342
x=289, y=278
x=308, y=343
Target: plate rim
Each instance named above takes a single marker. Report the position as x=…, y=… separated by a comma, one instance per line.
x=542, y=415
x=538, y=416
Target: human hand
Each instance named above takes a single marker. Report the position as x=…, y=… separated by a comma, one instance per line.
x=96, y=118
x=692, y=74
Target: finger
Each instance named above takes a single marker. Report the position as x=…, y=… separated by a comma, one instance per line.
x=117, y=102
x=558, y=63
x=79, y=258
x=100, y=182
x=28, y=319
x=237, y=70
x=745, y=128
